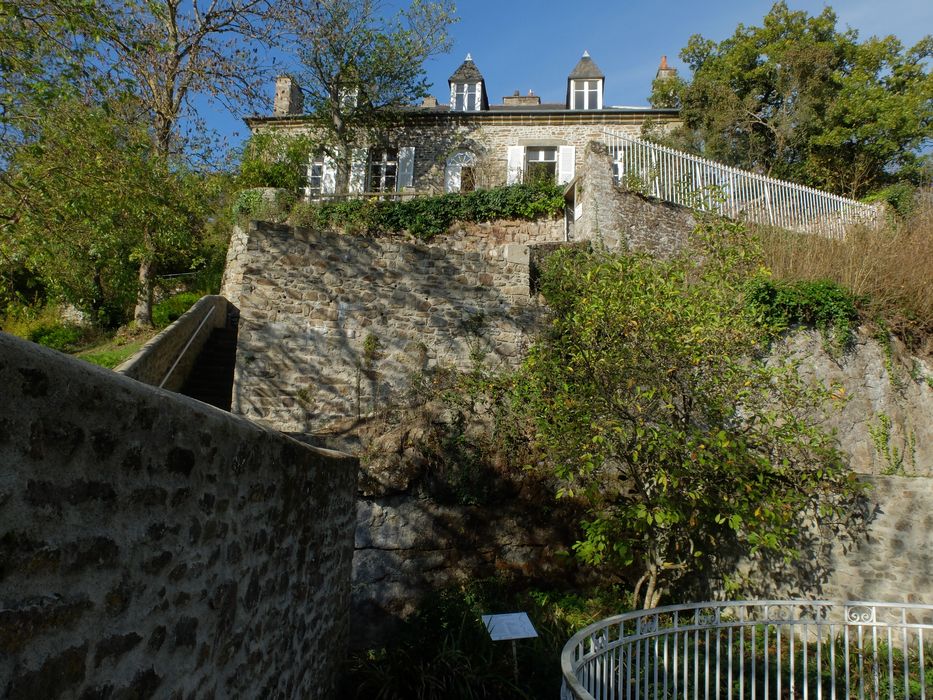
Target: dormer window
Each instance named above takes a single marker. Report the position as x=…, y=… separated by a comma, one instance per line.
x=586, y=94
x=585, y=85
x=466, y=97
x=467, y=88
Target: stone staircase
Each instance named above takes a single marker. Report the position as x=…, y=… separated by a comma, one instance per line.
x=211, y=378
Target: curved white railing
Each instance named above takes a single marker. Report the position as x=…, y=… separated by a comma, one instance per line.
x=755, y=650
x=690, y=180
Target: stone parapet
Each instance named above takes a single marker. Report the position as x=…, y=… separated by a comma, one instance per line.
x=153, y=546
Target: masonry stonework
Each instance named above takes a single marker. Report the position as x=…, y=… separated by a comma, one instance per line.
x=487, y=136
x=335, y=326
x=623, y=220
x=152, y=546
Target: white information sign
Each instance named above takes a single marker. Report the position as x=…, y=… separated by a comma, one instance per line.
x=509, y=626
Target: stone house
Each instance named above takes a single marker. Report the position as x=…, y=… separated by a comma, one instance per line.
x=468, y=142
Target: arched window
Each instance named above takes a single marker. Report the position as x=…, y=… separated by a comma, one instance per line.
x=460, y=172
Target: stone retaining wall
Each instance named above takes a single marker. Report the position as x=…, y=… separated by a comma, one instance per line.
x=152, y=546
x=335, y=326
x=891, y=561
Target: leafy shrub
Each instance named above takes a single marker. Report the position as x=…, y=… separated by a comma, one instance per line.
x=272, y=159
x=821, y=303
x=901, y=197
x=444, y=651
x=426, y=217
x=254, y=204
x=63, y=337
x=169, y=310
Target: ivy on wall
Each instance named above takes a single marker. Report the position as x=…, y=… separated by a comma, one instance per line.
x=426, y=217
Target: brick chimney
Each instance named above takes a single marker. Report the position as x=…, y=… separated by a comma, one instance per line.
x=665, y=72
x=288, y=97
x=519, y=100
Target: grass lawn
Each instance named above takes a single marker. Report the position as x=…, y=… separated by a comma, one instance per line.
x=111, y=351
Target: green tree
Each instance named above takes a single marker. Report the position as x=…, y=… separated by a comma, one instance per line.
x=649, y=398
x=358, y=66
x=98, y=210
x=798, y=99
x=41, y=59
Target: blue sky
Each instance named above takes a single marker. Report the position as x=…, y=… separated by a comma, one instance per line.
x=534, y=44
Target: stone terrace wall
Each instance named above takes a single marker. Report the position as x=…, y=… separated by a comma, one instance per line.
x=893, y=561
x=332, y=326
x=152, y=546
x=624, y=220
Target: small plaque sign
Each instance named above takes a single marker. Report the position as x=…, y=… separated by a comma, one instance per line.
x=509, y=626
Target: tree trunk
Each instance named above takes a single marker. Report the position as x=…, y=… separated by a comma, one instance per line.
x=142, y=314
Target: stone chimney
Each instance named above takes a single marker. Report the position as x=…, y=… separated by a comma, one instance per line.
x=429, y=101
x=518, y=100
x=288, y=98
x=665, y=72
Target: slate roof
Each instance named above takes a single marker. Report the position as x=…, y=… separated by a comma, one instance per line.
x=586, y=68
x=466, y=73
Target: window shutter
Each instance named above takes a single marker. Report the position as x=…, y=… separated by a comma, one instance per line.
x=565, y=165
x=516, y=164
x=406, y=167
x=358, y=171
x=452, y=177
x=329, y=176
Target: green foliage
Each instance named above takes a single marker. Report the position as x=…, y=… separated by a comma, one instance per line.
x=111, y=358
x=901, y=197
x=647, y=397
x=361, y=64
x=171, y=309
x=274, y=159
x=444, y=651
x=255, y=204
x=894, y=457
x=800, y=100
x=426, y=217
x=94, y=204
x=63, y=337
x=779, y=304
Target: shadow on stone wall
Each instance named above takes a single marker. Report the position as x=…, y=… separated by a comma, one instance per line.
x=151, y=545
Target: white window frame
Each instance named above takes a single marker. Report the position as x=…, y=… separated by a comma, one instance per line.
x=466, y=97
x=316, y=169
x=592, y=93
x=542, y=155
x=322, y=176
x=383, y=169
x=453, y=172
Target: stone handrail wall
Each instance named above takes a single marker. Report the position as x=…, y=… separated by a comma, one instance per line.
x=153, y=362
x=153, y=546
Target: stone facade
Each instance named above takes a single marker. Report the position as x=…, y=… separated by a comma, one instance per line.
x=435, y=138
x=152, y=546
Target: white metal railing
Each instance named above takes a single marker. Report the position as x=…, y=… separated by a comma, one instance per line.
x=755, y=650
x=692, y=181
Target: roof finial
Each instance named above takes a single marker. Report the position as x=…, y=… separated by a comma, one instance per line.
x=469, y=57
x=586, y=54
